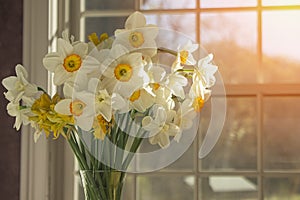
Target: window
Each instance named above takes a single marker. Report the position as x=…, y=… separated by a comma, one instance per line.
x=256, y=46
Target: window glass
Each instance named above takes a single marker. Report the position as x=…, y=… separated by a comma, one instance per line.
x=281, y=2
x=183, y=23
x=228, y=188
x=103, y=24
x=237, y=146
x=280, y=42
x=167, y=4
x=232, y=38
x=109, y=4
x=226, y=3
x=162, y=187
x=279, y=188
x=281, y=130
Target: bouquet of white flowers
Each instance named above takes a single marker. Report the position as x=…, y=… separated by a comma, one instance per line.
x=115, y=89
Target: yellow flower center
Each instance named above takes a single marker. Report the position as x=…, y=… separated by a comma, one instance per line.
x=198, y=104
x=76, y=107
x=155, y=86
x=72, y=62
x=183, y=56
x=136, y=39
x=104, y=125
x=123, y=72
x=135, y=96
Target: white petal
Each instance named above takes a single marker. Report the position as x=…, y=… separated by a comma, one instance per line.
x=68, y=89
x=161, y=115
x=164, y=140
x=117, y=51
x=135, y=20
x=86, y=123
x=119, y=103
x=36, y=135
x=10, y=82
x=81, y=49
x=64, y=47
x=93, y=85
x=21, y=71
x=51, y=61
x=63, y=107
x=106, y=112
x=61, y=75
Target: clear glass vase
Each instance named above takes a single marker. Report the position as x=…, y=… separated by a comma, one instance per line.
x=102, y=185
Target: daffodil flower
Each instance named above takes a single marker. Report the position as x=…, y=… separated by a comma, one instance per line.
x=160, y=127
x=66, y=61
x=79, y=108
x=125, y=74
x=185, y=53
x=19, y=88
x=176, y=83
x=184, y=117
x=119, y=103
x=198, y=95
x=137, y=35
x=141, y=100
x=20, y=113
x=86, y=104
x=206, y=70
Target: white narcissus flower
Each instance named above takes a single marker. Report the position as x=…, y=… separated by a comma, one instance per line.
x=176, y=83
x=80, y=108
x=125, y=74
x=184, y=117
x=198, y=95
x=161, y=127
x=137, y=35
x=185, y=53
x=18, y=87
x=205, y=71
x=119, y=103
x=141, y=100
x=162, y=94
x=86, y=104
x=66, y=61
x=19, y=112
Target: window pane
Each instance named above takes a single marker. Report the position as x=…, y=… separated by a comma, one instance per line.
x=228, y=188
x=108, y=4
x=280, y=2
x=282, y=188
x=236, y=148
x=167, y=4
x=232, y=37
x=226, y=3
x=103, y=24
x=183, y=23
x=184, y=163
x=281, y=43
x=162, y=187
x=281, y=133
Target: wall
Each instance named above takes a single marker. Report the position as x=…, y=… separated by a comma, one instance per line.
x=11, y=20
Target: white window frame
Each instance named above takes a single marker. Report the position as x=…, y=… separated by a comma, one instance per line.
x=47, y=167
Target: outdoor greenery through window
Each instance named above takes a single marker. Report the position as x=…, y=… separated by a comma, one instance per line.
x=256, y=46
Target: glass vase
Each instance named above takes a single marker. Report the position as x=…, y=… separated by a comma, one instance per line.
x=102, y=184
